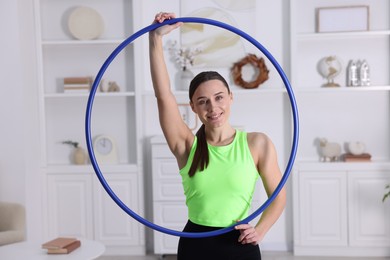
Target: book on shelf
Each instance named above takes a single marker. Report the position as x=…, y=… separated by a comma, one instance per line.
x=61, y=245
x=365, y=157
x=76, y=88
x=77, y=84
x=78, y=80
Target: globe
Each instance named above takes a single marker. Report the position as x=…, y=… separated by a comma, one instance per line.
x=329, y=68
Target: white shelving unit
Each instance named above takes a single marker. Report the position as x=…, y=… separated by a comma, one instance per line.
x=331, y=216
x=81, y=206
x=346, y=113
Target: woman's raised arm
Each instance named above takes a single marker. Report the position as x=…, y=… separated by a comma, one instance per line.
x=179, y=137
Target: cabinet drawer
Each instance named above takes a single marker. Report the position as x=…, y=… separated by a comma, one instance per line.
x=173, y=214
x=168, y=190
x=166, y=244
x=161, y=151
x=165, y=169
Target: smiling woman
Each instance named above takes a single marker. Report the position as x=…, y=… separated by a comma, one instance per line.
x=219, y=166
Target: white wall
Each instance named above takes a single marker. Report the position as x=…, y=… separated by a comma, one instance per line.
x=19, y=156
x=12, y=172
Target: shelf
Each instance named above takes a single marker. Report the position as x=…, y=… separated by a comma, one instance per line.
x=235, y=91
x=83, y=95
x=80, y=43
x=296, y=90
x=342, y=89
x=341, y=35
x=88, y=168
x=342, y=166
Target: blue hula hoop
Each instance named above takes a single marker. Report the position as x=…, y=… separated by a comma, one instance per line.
x=89, y=138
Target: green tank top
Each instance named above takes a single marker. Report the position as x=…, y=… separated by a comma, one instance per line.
x=222, y=193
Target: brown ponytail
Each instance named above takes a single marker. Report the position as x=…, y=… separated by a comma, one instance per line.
x=201, y=156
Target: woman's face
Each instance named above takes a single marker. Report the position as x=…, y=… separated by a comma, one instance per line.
x=211, y=102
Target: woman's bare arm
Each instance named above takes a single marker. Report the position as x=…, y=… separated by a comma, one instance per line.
x=265, y=157
x=176, y=132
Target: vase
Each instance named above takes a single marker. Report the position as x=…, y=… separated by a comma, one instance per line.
x=79, y=156
x=185, y=79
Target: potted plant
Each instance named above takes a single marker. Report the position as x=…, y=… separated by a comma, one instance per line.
x=387, y=194
x=184, y=57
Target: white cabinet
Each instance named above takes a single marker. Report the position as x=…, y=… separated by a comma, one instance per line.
x=338, y=209
x=77, y=203
x=70, y=205
x=322, y=208
x=79, y=206
x=169, y=209
x=369, y=224
x=117, y=230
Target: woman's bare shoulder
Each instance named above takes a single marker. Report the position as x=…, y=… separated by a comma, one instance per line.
x=260, y=144
x=263, y=152
x=257, y=139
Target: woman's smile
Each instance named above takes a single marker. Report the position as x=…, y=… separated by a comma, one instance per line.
x=214, y=117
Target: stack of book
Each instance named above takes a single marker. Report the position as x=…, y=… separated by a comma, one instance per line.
x=77, y=84
x=61, y=245
x=365, y=157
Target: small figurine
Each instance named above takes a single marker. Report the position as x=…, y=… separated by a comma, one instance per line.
x=113, y=87
x=330, y=151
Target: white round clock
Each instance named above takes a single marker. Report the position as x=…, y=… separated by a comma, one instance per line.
x=105, y=149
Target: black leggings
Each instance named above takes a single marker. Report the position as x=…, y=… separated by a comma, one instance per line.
x=221, y=247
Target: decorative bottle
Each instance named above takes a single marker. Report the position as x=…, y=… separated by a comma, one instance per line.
x=352, y=76
x=364, y=74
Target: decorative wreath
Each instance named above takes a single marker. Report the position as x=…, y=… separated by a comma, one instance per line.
x=255, y=62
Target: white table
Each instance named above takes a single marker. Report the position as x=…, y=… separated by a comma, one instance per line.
x=89, y=249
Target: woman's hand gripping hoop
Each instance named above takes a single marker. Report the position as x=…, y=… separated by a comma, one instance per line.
x=89, y=112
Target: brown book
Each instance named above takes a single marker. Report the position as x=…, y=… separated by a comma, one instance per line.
x=61, y=245
x=78, y=80
x=59, y=242
x=365, y=157
x=65, y=250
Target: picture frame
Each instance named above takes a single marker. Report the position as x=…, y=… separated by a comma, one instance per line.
x=342, y=19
